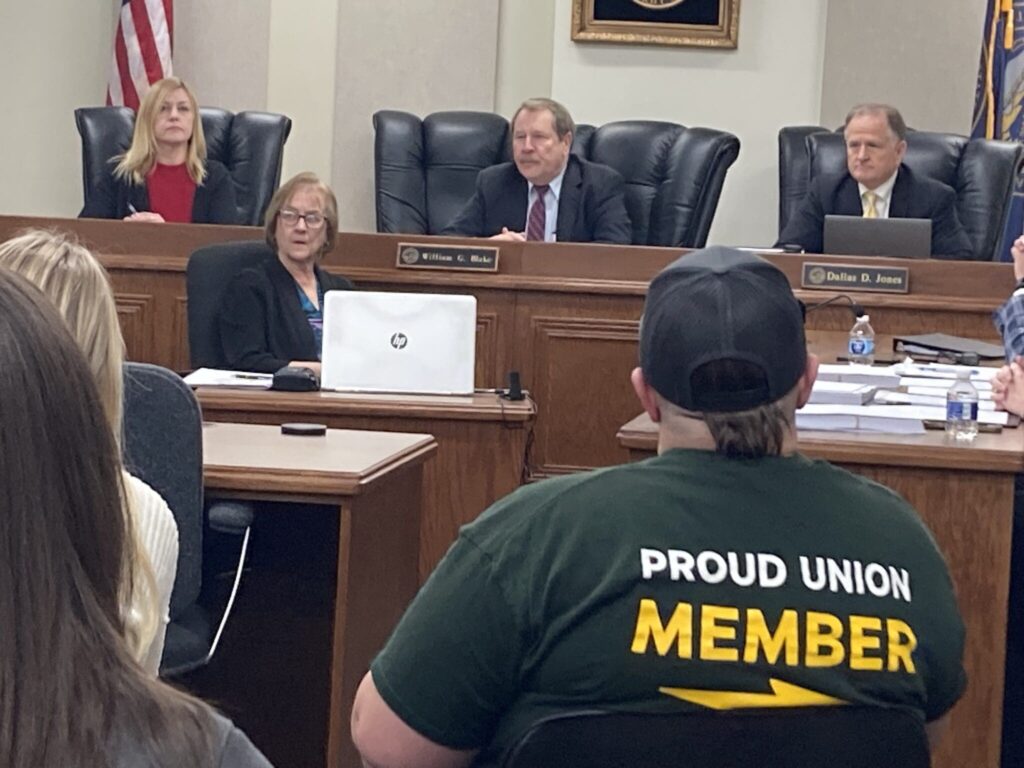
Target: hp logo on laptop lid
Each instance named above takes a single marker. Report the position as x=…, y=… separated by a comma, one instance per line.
x=399, y=340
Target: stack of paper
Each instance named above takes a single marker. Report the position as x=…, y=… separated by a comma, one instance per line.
x=876, y=376
x=214, y=377
x=898, y=419
x=841, y=392
x=858, y=418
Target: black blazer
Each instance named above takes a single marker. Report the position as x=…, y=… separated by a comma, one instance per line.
x=262, y=325
x=913, y=197
x=591, y=204
x=214, y=202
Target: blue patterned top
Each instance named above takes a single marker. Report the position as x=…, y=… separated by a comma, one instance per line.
x=314, y=315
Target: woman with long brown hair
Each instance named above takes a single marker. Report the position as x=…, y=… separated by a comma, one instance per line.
x=70, y=692
x=74, y=280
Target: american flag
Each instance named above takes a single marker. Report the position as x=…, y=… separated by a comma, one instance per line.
x=142, y=50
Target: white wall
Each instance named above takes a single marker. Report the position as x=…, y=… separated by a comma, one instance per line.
x=52, y=60
x=221, y=51
x=303, y=52
x=918, y=55
x=419, y=56
x=526, y=30
x=773, y=79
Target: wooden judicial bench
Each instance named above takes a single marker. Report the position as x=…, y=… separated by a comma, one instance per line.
x=564, y=315
x=965, y=496
x=361, y=490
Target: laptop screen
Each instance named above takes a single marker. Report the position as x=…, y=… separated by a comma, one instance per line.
x=399, y=342
x=857, y=236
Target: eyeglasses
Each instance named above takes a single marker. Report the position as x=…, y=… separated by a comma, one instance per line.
x=291, y=218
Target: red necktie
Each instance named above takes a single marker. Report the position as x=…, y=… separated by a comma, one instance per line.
x=535, y=221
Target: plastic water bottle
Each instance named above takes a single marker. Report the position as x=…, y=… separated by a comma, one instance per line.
x=962, y=408
x=861, y=346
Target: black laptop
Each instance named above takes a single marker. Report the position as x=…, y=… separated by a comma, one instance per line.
x=857, y=236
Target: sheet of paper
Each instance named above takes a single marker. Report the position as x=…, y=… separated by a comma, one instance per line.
x=984, y=395
x=215, y=377
x=944, y=371
x=940, y=385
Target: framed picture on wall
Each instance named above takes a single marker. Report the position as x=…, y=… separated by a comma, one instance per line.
x=699, y=23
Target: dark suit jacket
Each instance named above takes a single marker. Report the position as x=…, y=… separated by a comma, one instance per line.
x=214, y=201
x=913, y=197
x=591, y=204
x=262, y=325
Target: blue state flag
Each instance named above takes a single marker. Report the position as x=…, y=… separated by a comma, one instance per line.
x=999, y=96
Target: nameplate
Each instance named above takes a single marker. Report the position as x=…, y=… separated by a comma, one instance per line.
x=453, y=257
x=855, y=277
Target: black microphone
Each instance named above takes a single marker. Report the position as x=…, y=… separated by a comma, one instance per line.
x=515, y=388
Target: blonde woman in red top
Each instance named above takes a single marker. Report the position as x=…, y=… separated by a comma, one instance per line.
x=165, y=174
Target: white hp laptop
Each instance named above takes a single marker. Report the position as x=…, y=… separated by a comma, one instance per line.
x=416, y=343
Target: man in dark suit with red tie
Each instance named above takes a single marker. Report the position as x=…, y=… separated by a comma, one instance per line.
x=878, y=185
x=546, y=193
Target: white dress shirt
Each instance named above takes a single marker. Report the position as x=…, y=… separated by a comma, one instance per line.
x=883, y=195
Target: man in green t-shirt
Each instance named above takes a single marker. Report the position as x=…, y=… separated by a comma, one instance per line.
x=727, y=572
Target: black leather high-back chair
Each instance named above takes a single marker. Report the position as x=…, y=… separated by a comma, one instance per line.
x=249, y=144
x=799, y=737
x=981, y=172
x=209, y=271
x=425, y=170
x=163, y=445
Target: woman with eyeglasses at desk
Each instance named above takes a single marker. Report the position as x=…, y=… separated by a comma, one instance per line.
x=273, y=312
x=70, y=692
x=165, y=175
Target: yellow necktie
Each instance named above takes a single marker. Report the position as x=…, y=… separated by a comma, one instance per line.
x=870, y=199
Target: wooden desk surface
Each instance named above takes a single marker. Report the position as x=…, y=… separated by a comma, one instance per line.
x=1002, y=452
x=262, y=461
x=331, y=578
x=481, y=406
x=482, y=443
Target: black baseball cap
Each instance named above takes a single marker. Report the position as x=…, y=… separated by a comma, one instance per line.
x=721, y=304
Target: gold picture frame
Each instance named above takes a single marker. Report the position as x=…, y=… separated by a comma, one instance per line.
x=696, y=23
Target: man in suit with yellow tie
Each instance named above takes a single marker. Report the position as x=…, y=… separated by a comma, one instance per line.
x=878, y=185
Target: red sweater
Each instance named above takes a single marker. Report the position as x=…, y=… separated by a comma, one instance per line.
x=171, y=191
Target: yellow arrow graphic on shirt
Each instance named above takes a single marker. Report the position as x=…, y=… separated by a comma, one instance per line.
x=783, y=695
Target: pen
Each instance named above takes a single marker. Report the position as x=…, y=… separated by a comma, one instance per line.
x=253, y=376
x=131, y=208
x=946, y=369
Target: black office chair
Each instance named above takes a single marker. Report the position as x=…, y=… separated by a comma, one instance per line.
x=163, y=445
x=249, y=144
x=209, y=271
x=981, y=172
x=799, y=737
x=425, y=170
